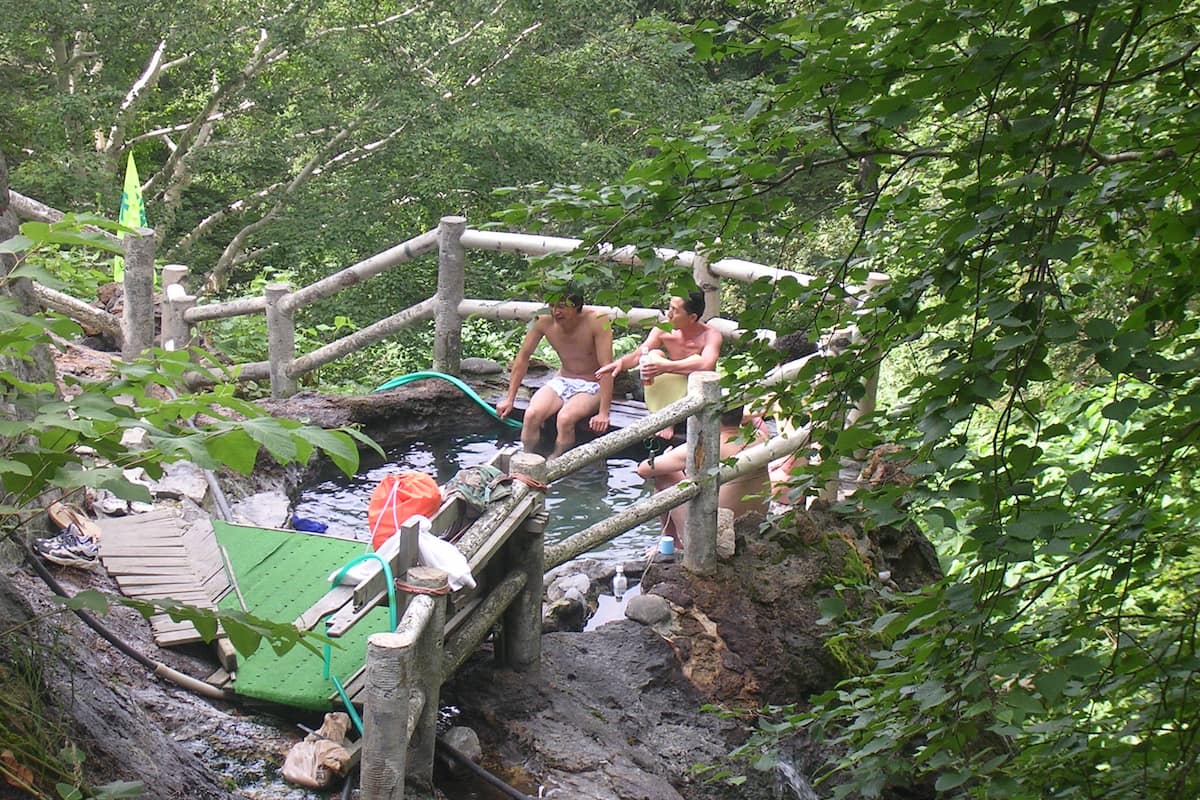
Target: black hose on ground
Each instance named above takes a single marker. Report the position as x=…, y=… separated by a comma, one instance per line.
x=349, y=784
x=479, y=772
x=157, y=667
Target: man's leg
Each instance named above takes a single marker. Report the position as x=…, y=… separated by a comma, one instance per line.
x=543, y=405
x=672, y=521
x=580, y=407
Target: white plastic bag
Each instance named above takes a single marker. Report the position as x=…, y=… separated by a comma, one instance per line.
x=431, y=552
x=440, y=554
x=389, y=548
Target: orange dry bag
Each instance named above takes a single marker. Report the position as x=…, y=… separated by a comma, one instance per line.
x=398, y=497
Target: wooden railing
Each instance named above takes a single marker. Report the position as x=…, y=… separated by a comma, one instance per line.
x=447, y=308
x=437, y=631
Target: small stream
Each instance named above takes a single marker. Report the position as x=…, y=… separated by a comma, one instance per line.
x=592, y=494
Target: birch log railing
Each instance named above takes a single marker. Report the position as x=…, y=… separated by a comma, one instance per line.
x=181, y=312
x=447, y=308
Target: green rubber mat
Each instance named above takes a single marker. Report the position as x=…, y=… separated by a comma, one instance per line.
x=281, y=575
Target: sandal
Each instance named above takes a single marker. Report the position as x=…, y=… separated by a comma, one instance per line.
x=64, y=515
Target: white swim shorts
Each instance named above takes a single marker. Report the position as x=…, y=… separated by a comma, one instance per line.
x=566, y=388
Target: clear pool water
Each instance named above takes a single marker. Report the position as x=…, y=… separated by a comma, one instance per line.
x=593, y=493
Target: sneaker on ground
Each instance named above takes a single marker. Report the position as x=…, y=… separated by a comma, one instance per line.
x=69, y=548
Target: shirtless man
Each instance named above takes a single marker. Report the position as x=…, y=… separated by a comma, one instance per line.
x=747, y=493
x=583, y=341
x=687, y=346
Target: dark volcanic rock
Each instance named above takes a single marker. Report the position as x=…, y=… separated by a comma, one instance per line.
x=607, y=716
x=98, y=699
x=748, y=634
x=416, y=408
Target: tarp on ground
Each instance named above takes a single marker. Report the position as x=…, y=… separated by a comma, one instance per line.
x=281, y=575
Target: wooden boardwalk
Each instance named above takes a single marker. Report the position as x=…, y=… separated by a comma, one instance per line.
x=165, y=553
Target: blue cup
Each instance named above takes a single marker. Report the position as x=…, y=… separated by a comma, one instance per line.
x=666, y=546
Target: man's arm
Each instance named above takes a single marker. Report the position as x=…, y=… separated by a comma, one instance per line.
x=630, y=359
x=520, y=365
x=602, y=340
x=670, y=462
x=706, y=359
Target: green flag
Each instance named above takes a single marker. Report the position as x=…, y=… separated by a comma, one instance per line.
x=133, y=212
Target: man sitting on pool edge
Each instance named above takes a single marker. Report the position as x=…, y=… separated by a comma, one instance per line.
x=668, y=356
x=583, y=340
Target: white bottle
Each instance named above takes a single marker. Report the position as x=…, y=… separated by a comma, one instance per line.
x=642, y=361
x=620, y=582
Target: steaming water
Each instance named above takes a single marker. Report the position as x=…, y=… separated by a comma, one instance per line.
x=791, y=785
x=593, y=493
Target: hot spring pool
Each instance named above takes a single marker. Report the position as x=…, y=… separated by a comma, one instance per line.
x=593, y=493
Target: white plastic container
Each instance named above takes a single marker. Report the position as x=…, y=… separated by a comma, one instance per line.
x=620, y=582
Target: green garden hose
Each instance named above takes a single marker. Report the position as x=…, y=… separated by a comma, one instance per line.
x=467, y=390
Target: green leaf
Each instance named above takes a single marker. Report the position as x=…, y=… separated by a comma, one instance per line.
x=950, y=780
x=234, y=448
x=16, y=244
x=1083, y=666
x=16, y=467
x=1021, y=458
x=1120, y=410
x=831, y=608
x=1118, y=464
x=68, y=792
x=119, y=789
x=1051, y=684
x=86, y=600
x=273, y=435
x=337, y=445
x=244, y=639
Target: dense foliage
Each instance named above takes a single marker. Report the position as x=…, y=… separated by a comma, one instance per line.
x=1025, y=173
x=61, y=440
x=300, y=138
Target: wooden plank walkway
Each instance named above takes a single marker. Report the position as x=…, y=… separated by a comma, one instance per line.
x=163, y=554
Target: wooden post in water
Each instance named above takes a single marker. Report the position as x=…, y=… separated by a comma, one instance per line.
x=525, y=551
x=175, y=334
x=447, y=324
x=426, y=671
x=137, y=326
x=281, y=340
x=703, y=468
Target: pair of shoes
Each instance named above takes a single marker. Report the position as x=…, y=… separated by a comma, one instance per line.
x=70, y=549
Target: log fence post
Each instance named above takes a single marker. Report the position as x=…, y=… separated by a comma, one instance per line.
x=176, y=333
x=385, y=718
x=426, y=671
x=137, y=323
x=703, y=468
x=447, y=325
x=281, y=340
x=525, y=551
